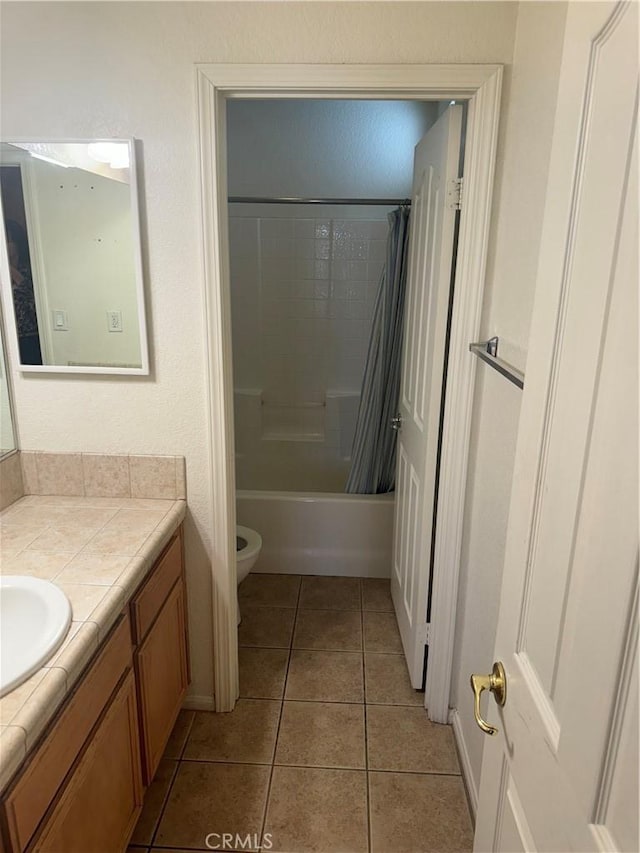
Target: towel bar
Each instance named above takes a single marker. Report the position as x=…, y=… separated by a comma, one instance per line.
x=488, y=352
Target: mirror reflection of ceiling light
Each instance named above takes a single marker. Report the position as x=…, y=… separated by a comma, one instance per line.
x=116, y=154
x=49, y=159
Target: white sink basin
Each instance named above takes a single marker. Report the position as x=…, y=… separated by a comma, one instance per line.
x=34, y=620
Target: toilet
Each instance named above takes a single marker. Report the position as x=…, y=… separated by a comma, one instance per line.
x=248, y=545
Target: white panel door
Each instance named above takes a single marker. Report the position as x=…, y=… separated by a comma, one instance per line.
x=433, y=212
x=562, y=773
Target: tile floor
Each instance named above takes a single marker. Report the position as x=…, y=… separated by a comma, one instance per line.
x=329, y=748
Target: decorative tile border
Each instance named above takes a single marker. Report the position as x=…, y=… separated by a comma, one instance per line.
x=101, y=475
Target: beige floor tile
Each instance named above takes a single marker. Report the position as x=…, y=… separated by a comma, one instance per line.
x=262, y=672
x=208, y=798
x=404, y=739
x=179, y=735
x=387, y=681
x=270, y=590
x=266, y=626
x=325, y=676
x=154, y=800
x=321, y=734
x=248, y=733
x=381, y=633
x=376, y=594
x=330, y=593
x=317, y=810
x=331, y=630
x=411, y=812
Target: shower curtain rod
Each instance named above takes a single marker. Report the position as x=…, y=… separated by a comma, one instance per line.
x=390, y=202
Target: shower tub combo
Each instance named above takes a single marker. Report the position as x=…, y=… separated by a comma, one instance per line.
x=304, y=282
x=315, y=533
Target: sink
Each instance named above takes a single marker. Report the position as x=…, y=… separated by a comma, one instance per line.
x=34, y=620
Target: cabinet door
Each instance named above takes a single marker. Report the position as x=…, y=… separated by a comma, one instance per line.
x=103, y=798
x=162, y=677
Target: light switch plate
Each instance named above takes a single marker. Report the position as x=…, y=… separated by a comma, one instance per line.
x=114, y=321
x=60, y=320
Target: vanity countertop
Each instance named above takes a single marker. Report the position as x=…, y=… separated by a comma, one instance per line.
x=98, y=550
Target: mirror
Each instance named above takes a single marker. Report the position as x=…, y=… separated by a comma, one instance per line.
x=72, y=272
x=7, y=426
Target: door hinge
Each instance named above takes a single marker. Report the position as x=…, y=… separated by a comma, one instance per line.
x=424, y=633
x=454, y=194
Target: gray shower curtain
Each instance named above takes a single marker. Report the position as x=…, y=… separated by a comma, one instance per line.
x=373, y=458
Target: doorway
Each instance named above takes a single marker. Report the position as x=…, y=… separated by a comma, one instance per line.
x=481, y=86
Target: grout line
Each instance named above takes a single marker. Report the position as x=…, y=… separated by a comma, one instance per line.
x=364, y=708
x=323, y=701
x=178, y=761
x=419, y=773
x=282, y=700
x=164, y=801
x=309, y=649
x=273, y=764
x=188, y=735
x=324, y=767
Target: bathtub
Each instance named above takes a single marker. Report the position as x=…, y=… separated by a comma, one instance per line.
x=312, y=533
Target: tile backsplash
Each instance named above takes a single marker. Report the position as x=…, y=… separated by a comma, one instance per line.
x=11, y=481
x=102, y=475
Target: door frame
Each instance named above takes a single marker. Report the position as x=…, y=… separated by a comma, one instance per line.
x=481, y=85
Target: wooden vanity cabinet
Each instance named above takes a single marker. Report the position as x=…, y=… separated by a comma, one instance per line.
x=101, y=802
x=76, y=785
x=81, y=790
x=161, y=658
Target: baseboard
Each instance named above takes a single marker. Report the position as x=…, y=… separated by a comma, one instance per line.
x=465, y=764
x=199, y=703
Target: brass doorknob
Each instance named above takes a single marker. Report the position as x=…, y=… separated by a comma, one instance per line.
x=497, y=684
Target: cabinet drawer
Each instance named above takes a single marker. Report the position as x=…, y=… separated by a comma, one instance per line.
x=148, y=601
x=162, y=679
x=36, y=787
x=103, y=798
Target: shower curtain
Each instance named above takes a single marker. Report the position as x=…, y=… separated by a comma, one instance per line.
x=373, y=458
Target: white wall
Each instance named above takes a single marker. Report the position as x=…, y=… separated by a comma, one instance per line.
x=358, y=149
x=519, y=204
x=78, y=70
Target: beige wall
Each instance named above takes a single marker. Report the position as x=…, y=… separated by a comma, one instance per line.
x=518, y=210
x=127, y=69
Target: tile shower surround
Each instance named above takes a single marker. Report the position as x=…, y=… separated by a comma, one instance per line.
x=303, y=292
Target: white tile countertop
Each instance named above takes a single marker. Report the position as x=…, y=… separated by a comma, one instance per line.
x=98, y=550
